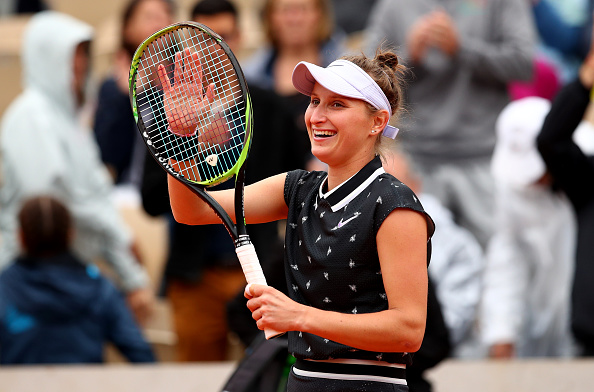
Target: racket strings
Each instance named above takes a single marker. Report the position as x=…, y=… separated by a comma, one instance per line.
x=221, y=130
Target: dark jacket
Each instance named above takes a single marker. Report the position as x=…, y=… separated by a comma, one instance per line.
x=58, y=311
x=573, y=172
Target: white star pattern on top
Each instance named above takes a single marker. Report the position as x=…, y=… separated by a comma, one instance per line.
x=328, y=245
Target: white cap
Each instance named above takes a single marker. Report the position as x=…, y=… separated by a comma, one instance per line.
x=516, y=159
x=344, y=78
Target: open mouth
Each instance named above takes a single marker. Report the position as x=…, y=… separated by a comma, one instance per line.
x=323, y=133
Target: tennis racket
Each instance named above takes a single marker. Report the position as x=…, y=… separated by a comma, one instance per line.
x=192, y=107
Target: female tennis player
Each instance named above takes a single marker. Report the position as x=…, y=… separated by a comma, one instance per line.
x=357, y=239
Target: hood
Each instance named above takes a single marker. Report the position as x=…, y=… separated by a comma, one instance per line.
x=55, y=289
x=49, y=42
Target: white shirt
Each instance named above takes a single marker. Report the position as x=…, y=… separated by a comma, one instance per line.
x=44, y=150
x=529, y=272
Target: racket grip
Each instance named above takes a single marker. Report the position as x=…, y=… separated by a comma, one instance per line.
x=246, y=253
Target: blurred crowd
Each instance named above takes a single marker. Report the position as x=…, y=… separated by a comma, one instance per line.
x=496, y=141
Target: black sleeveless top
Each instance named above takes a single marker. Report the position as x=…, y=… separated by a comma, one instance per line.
x=331, y=250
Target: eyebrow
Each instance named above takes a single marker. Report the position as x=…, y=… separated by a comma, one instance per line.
x=333, y=96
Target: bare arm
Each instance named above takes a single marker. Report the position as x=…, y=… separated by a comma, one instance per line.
x=402, y=252
x=263, y=202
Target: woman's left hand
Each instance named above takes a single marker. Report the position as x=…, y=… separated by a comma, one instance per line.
x=274, y=310
x=186, y=107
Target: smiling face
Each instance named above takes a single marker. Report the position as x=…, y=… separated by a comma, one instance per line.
x=342, y=130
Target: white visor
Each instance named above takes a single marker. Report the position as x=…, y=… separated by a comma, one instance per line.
x=344, y=78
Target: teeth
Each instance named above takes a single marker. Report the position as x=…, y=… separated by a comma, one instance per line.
x=324, y=133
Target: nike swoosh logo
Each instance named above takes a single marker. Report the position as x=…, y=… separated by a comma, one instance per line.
x=341, y=223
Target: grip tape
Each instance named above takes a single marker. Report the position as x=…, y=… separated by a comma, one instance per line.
x=246, y=253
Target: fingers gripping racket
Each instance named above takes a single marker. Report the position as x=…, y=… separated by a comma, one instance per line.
x=193, y=110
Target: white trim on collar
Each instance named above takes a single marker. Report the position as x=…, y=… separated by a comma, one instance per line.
x=378, y=172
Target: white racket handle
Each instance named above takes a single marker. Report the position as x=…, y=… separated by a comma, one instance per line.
x=253, y=274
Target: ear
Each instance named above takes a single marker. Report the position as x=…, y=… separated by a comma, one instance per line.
x=380, y=120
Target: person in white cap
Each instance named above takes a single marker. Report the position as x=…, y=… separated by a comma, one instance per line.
x=527, y=282
x=357, y=239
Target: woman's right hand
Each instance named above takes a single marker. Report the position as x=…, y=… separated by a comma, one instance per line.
x=272, y=309
x=185, y=105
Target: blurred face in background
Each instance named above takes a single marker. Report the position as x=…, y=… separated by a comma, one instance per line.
x=80, y=70
x=294, y=23
x=146, y=17
x=225, y=24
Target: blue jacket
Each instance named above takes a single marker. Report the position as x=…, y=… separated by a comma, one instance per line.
x=57, y=310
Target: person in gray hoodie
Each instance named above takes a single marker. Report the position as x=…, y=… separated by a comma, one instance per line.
x=462, y=54
x=44, y=149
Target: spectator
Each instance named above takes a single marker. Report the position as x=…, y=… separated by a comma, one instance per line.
x=525, y=310
x=53, y=309
x=200, y=285
x=122, y=149
x=351, y=15
x=462, y=54
x=44, y=149
x=457, y=261
x=545, y=82
x=562, y=47
x=573, y=171
x=296, y=30
x=563, y=27
x=11, y=7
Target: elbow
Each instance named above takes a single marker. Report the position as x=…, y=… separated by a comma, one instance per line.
x=522, y=63
x=525, y=69
x=409, y=338
x=413, y=342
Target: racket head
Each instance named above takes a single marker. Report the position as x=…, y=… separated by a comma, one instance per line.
x=214, y=153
